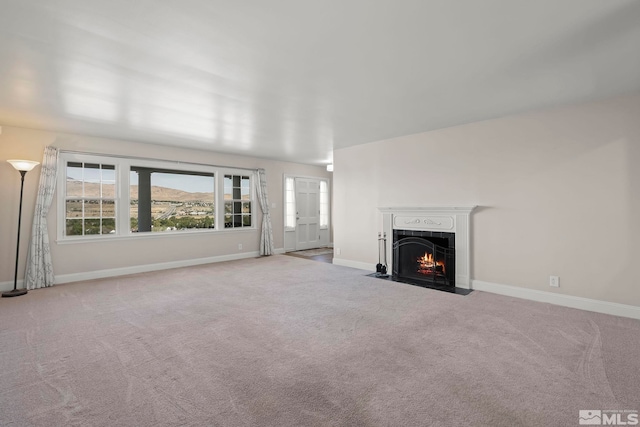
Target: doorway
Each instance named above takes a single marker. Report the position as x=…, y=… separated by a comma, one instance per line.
x=306, y=213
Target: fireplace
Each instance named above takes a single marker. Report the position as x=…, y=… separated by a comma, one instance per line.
x=425, y=258
x=443, y=232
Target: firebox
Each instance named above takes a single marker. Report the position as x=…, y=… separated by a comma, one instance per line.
x=424, y=258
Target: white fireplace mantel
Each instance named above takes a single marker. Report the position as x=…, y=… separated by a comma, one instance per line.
x=452, y=219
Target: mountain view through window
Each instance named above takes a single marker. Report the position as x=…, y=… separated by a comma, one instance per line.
x=171, y=200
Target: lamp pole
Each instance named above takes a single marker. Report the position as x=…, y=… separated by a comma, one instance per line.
x=23, y=166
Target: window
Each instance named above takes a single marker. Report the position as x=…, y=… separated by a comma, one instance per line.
x=89, y=199
x=324, y=204
x=163, y=200
x=237, y=201
x=290, y=203
x=115, y=197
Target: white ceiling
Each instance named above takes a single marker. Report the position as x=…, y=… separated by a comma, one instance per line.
x=296, y=79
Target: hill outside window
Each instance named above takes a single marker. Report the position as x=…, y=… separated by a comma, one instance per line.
x=164, y=200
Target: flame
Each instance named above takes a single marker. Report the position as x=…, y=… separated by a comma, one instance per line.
x=427, y=265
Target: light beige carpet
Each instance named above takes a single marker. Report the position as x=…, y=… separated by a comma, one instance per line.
x=284, y=341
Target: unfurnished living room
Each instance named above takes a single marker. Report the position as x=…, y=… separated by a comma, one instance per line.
x=319, y=213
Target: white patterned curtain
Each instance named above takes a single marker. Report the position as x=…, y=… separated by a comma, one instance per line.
x=266, y=238
x=39, y=266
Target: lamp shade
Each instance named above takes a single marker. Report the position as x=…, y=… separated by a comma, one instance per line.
x=23, y=165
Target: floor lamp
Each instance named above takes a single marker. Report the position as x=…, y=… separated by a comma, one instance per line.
x=22, y=166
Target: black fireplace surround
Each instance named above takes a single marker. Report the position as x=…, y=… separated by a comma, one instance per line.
x=424, y=258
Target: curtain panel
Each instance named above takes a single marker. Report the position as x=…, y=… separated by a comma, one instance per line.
x=39, y=271
x=266, y=237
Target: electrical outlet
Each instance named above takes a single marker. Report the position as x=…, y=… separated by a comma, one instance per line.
x=338, y=251
x=239, y=246
x=554, y=281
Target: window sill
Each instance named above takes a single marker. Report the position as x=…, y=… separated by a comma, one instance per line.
x=150, y=235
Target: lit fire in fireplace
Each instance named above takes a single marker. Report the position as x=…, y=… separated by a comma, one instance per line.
x=427, y=265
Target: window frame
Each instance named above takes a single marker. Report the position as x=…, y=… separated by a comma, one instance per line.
x=61, y=199
x=122, y=198
x=252, y=199
x=137, y=167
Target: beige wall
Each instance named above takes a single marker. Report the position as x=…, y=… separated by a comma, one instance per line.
x=78, y=258
x=558, y=190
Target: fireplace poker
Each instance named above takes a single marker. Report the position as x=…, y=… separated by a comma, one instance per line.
x=379, y=265
x=384, y=243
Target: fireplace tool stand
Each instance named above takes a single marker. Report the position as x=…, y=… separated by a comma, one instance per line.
x=381, y=269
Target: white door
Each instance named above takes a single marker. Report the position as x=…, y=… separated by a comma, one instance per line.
x=307, y=213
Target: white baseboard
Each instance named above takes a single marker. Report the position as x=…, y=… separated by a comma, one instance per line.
x=512, y=291
x=8, y=286
x=559, y=299
x=112, y=272
x=355, y=264
x=99, y=274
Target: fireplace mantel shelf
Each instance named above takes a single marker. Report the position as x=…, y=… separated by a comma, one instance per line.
x=424, y=209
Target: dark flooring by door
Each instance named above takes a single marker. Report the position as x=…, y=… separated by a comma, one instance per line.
x=321, y=254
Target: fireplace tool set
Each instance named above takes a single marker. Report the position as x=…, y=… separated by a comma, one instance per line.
x=381, y=269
